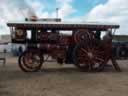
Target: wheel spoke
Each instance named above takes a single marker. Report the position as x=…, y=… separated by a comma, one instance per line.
x=99, y=59
x=85, y=51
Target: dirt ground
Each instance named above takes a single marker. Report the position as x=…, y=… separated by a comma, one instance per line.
x=65, y=80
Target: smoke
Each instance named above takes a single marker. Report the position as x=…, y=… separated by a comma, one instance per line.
x=23, y=7
x=14, y=10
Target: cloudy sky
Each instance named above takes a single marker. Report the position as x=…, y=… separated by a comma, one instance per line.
x=115, y=11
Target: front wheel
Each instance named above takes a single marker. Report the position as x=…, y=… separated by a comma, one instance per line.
x=30, y=61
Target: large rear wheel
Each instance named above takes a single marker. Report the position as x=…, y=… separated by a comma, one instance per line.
x=89, y=56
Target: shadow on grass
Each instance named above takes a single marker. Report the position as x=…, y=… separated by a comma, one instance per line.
x=7, y=75
x=60, y=70
x=4, y=92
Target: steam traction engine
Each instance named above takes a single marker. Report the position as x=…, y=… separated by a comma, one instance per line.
x=84, y=47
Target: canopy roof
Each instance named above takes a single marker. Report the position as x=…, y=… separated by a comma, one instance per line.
x=63, y=25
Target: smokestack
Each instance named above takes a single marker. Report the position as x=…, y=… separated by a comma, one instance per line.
x=31, y=18
x=57, y=12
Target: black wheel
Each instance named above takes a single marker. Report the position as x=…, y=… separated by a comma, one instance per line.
x=89, y=57
x=30, y=61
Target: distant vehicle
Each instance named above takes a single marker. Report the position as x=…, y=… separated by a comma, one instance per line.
x=120, y=49
x=82, y=47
